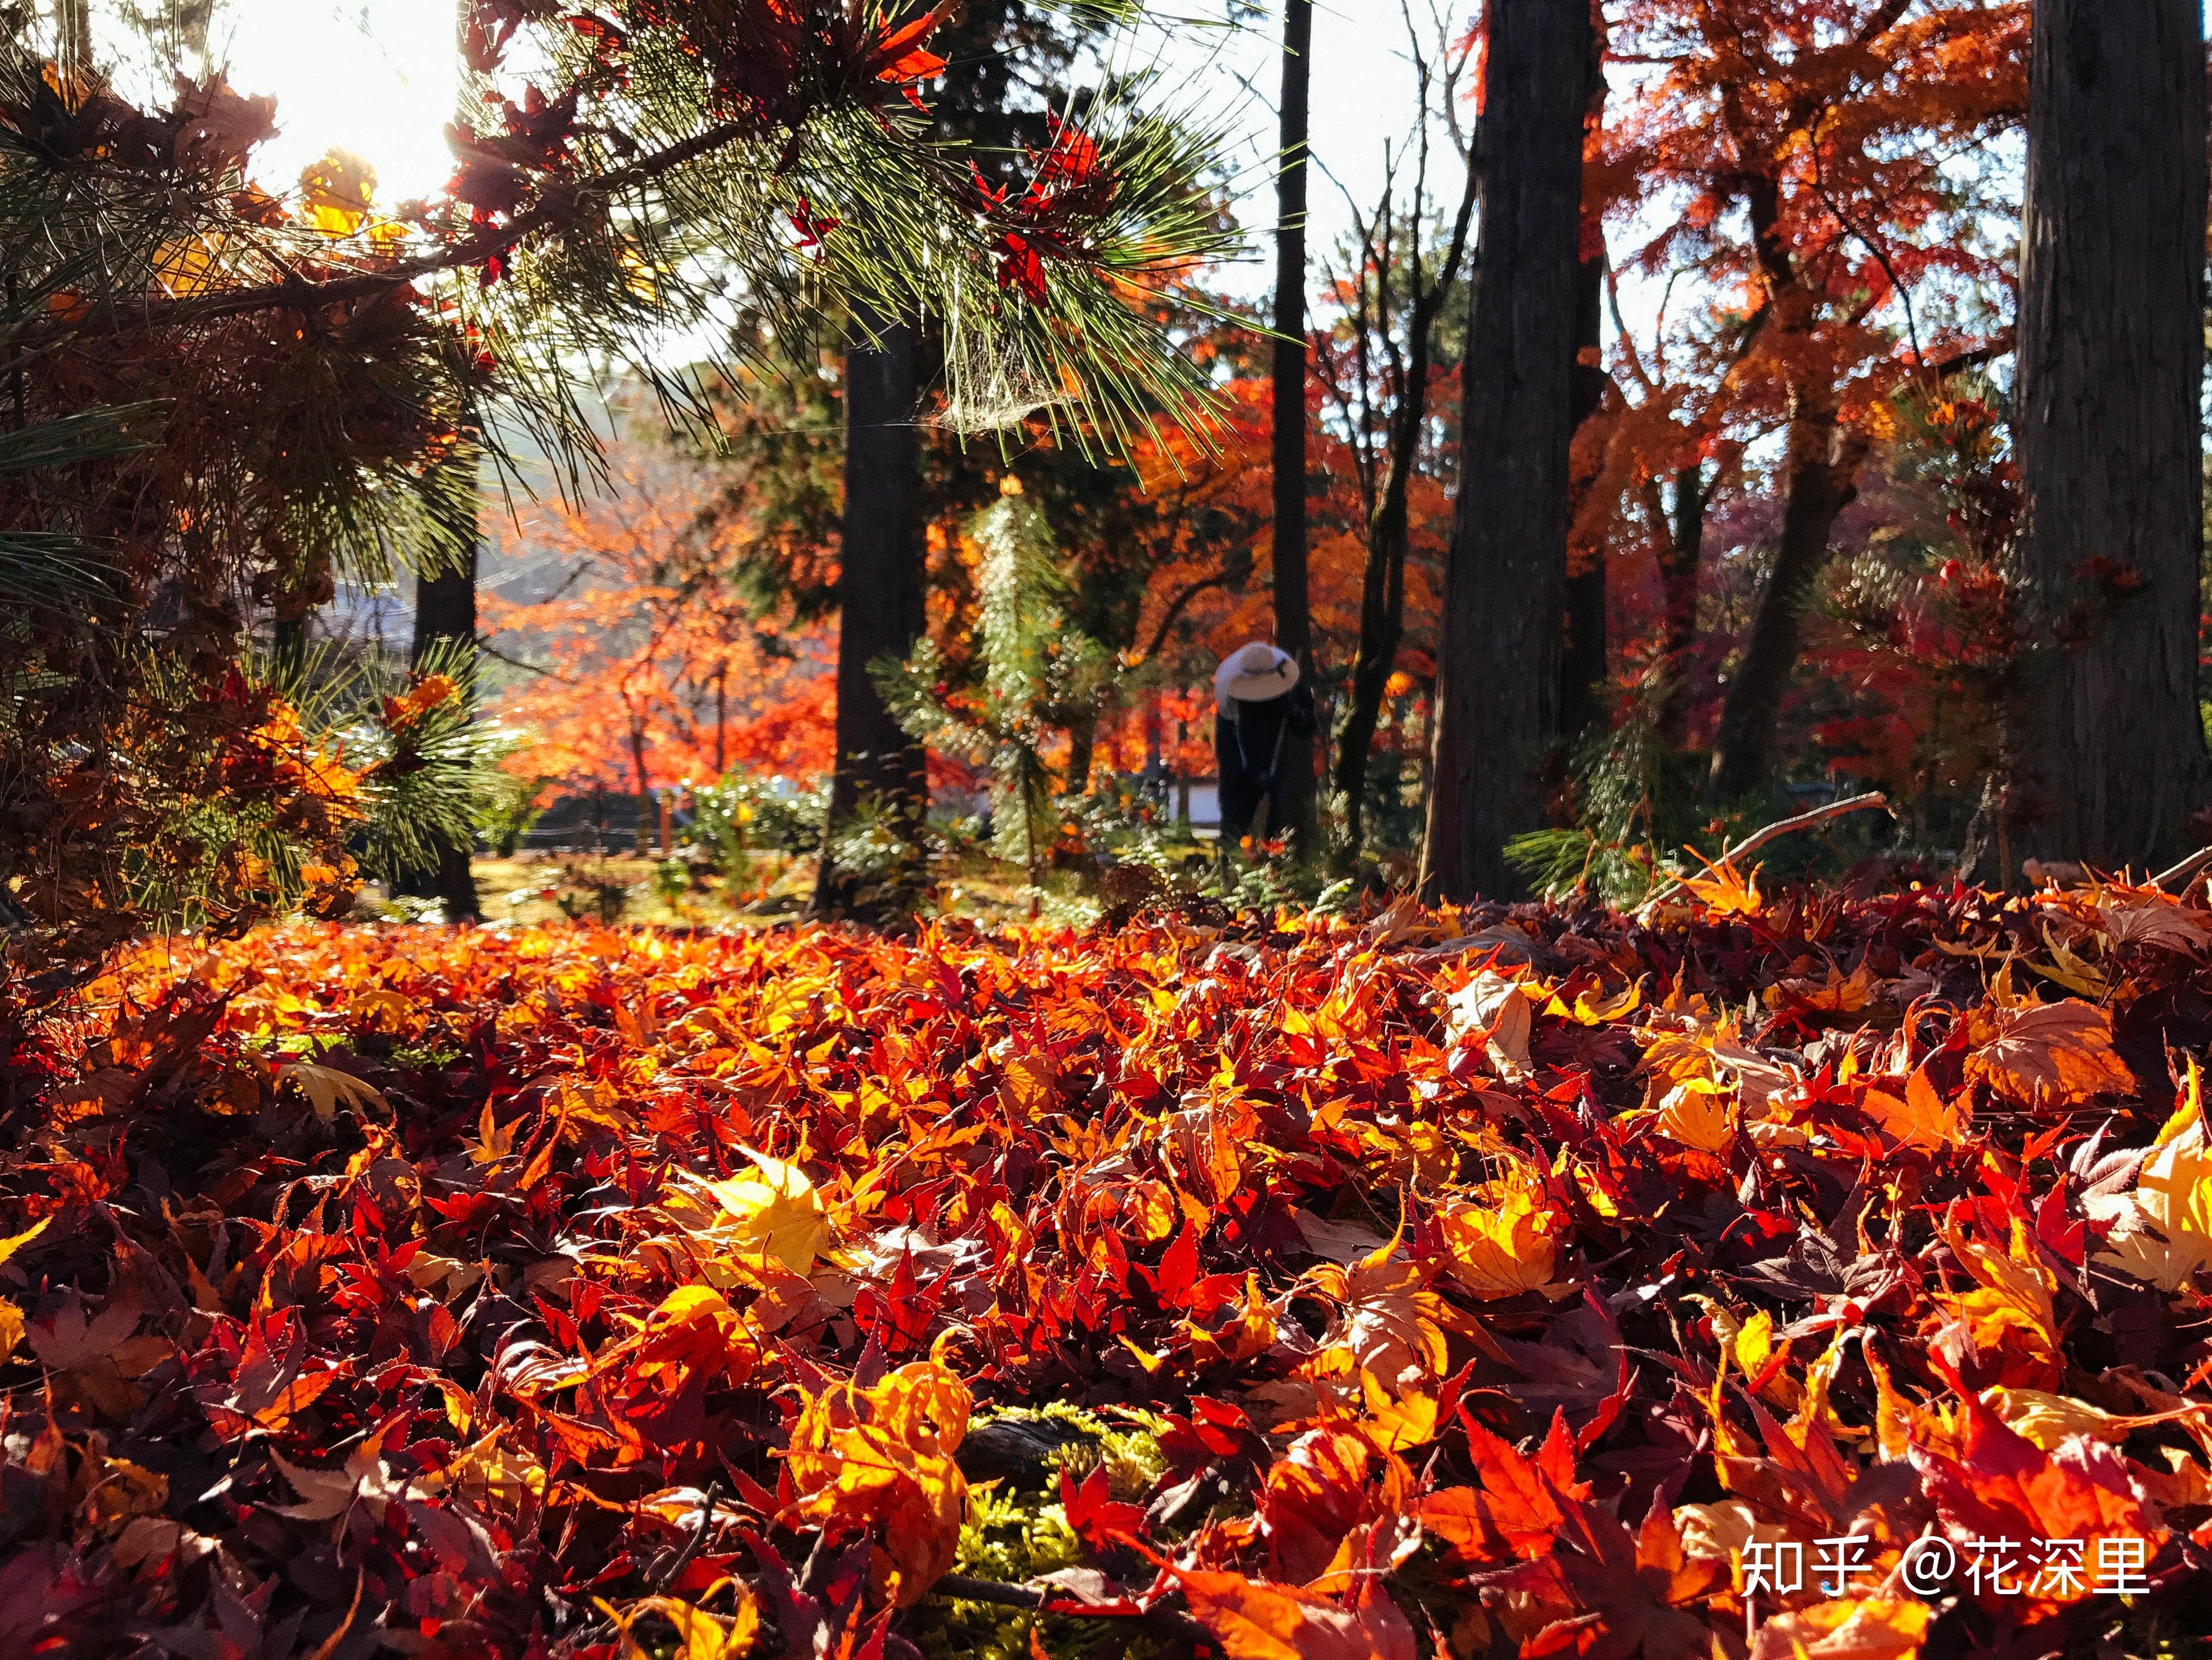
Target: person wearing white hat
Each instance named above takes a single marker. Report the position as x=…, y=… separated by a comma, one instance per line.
x=1258, y=705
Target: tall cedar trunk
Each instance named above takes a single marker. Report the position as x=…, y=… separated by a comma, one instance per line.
x=446, y=609
x=1293, y=617
x=2108, y=427
x=879, y=584
x=1498, y=701
x=1390, y=533
x=1680, y=568
x=289, y=647
x=721, y=721
x=1819, y=480
x=1582, y=659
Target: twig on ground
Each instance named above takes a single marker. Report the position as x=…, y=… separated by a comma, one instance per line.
x=1158, y=1622
x=691, y=1546
x=1786, y=826
x=2185, y=869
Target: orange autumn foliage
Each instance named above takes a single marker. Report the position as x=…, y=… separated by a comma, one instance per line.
x=705, y=1281
x=647, y=667
x=1821, y=187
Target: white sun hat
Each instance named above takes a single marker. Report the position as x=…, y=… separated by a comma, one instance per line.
x=1253, y=674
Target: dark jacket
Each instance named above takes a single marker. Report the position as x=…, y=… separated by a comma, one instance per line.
x=1250, y=750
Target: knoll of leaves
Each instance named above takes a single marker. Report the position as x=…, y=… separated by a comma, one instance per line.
x=1319, y=1288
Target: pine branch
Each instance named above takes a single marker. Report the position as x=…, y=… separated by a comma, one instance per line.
x=562, y=207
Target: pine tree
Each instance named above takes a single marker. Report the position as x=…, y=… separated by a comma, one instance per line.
x=1035, y=667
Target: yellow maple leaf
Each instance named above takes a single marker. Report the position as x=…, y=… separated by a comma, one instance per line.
x=1503, y=1242
x=188, y=265
x=2051, y=1420
x=9, y=1247
x=122, y=1490
x=776, y=1213
x=1860, y=1626
x=2011, y=1306
x=1393, y=1423
x=1601, y=1012
x=495, y=1140
x=326, y=1087
x=700, y=1635
x=2068, y=970
x=1700, y=1113
x=335, y=192
x=1833, y=996
x=1724, y=890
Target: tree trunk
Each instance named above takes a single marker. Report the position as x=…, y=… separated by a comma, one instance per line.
x=289, y=650
x=642, y=793
x=1498, y=700
x=446, y=609
x=879, y=588
x=1293, y=613
x=1680, y=569
x=1819, y=480
x=721, y=721
x=1382, y=596
x=2109, y=430
x=1582, y=661
x=1082, y=745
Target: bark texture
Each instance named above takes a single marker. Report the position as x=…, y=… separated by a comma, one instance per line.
x=879, y=584
x=446, y=609
x=1819, y=479
x=1082, y=751
x=1381, y=606
x=1498, y=718
x=1582, y=661
x=2109, y=430
x=1582, y=657
x=1293, y=610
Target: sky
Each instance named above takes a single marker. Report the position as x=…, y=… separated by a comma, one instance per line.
x=1363, y=96
x=377, y=77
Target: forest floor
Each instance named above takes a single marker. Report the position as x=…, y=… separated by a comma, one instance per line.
x=1764, y=1277
x=775, y=888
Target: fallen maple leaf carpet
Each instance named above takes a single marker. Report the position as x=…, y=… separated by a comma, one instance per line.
x=1813, y=1277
